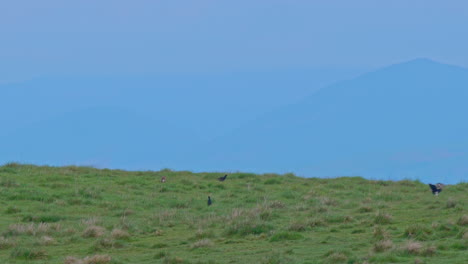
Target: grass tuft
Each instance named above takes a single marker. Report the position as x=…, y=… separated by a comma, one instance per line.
x=28, y=253
x=284, y=236
x=120, y=234
x=463, y=220
x=47, y=241
x=383, y=245
x=379, y=233
x=337, y=256
x=42, y=218
x=94, y=231
x=202, y=243
x=418, y=232
x=12, y=210
x=451, y=203
x=298, y=226
x=96, y=259
x=382, y=218
x=413, y=247
x=6, y=243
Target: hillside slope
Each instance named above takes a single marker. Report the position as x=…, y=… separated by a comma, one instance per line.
x=83, y=215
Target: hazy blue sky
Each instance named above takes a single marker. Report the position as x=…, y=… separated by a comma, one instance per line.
x=169, y=76
x=50, y=37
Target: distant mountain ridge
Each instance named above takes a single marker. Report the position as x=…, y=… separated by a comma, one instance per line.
x=137, y=121
x=403, y=121
x=374, y=126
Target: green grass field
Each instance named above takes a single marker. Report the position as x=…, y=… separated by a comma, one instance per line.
x=84, y=215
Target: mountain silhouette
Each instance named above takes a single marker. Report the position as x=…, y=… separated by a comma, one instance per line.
x=403, y=121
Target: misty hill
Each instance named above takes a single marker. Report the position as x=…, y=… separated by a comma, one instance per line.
x=406, y=120
x=140, y=121
x=206, y=104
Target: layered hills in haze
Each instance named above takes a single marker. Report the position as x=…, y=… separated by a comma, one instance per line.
x=402, y=121
x=139, y=121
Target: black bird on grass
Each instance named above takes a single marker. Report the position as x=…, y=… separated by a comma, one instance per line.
x=209, y=201
x=222, y=178
x=436, y=189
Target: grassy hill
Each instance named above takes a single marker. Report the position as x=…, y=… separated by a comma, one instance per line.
x=84, y=215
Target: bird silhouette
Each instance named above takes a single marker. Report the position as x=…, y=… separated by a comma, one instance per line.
x=222, y=178
x=209, y=201
x=436, y=189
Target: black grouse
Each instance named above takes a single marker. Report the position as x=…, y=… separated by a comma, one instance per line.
x=436, y=189
x=222, y=178
x=209, y=201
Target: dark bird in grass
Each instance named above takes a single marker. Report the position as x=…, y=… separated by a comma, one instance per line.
x=222, y=178
x=163, y=179
x=436, y=189
x=209, y=201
